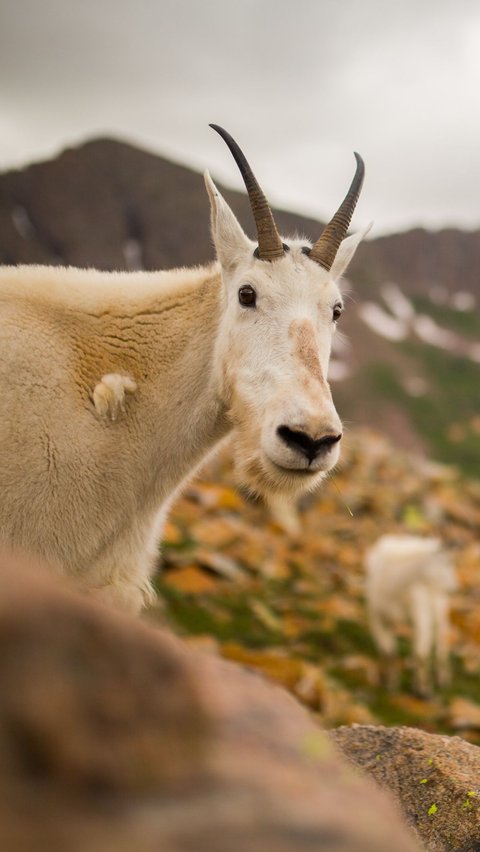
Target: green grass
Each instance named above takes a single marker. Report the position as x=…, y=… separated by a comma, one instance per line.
x=227, y=616
x=452, y=398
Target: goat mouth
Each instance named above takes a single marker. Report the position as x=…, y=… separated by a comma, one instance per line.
x=296, y=472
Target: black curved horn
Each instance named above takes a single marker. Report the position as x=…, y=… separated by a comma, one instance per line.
x=327, y=245
x=270, y=246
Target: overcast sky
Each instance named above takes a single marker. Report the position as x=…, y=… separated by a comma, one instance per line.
x=299, y=83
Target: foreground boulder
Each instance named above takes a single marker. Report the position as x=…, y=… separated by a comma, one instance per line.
x=436, y=780
x=114, y=736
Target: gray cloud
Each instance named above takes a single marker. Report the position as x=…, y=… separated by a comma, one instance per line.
x=300, y=84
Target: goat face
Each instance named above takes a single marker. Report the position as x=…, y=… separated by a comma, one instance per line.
x=272, y=356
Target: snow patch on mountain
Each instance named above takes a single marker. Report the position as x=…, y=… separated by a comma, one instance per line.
x=416, y=385
x=397, y=302
x=427, y=330
x=401, y=320
x=382, y=322
x=463, y=301
x=338, y=370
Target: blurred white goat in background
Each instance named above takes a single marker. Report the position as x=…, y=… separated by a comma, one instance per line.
x=409, y=578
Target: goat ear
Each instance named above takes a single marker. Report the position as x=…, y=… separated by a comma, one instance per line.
x=345, y=252
x=229, y=239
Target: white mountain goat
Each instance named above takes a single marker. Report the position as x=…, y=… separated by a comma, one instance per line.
x=114, y=387
x=410, y=578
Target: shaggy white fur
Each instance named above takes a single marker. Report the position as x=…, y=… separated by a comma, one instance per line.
x=116, y=386
x=109, y=394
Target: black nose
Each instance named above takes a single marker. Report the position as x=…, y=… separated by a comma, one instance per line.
x=306, y=445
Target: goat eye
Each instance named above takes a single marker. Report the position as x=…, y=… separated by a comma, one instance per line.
x=247, y=296
x=337, y=312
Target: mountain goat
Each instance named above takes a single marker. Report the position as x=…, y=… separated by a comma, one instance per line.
x=410, y=578
x=116, y=386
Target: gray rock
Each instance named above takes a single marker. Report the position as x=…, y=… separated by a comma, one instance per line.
x=114, y=736
x=435, y=779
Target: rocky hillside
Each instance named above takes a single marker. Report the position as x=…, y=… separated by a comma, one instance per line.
x=408, y=350
x=293, y=606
